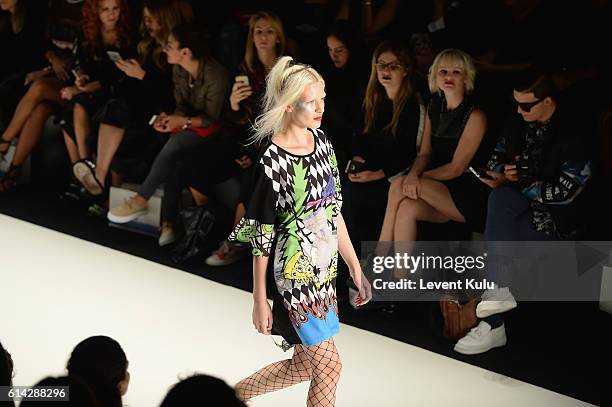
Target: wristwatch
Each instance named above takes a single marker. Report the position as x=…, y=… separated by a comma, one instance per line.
x=187, y=124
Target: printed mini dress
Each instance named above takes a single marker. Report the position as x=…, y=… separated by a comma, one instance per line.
x=291, y=217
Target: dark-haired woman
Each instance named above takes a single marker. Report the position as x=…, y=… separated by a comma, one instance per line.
x=101, y=363
x=22, y=29
x=201, y=88
x=43, y=85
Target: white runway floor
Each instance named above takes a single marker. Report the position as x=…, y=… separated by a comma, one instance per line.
x=56, y=290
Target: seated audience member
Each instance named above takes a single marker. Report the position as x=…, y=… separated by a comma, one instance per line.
x=22, y=30
x=79, y=393
x=124, y=137
x=100, y=362
x=201, y=390
x=106, y=29
x=345, y=83
x=439, y=188
x=264, y=45
x=6, y=373
x=200, y=92
x=388, y=143
x=541, y=169
x=43, y=87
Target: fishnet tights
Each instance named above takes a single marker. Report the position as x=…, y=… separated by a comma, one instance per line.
x=318, y=363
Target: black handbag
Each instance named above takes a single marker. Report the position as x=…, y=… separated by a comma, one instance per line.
x=197, y=223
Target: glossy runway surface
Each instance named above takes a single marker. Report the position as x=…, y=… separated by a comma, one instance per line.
x=57, y=290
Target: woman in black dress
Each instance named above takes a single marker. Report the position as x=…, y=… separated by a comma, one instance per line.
x=439, y=187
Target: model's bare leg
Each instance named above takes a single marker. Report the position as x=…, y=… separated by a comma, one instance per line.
x=276, y=376
x=31, y=132
x=81, y=130
x=109, y=140
x=47, y=89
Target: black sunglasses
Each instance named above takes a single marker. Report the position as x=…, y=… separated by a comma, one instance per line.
x=527, y=106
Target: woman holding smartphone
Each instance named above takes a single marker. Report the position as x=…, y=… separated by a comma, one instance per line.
x=106, y=31
x=294, y=217
x=125, y=139
x=265, y=44
x=201, y=87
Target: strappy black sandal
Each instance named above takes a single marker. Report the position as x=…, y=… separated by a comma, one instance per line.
x=9, y=180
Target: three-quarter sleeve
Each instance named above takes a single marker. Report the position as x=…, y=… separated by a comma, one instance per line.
x=258, y=226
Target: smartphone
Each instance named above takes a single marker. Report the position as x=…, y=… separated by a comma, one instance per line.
x=354, y=167
x=113, y=55
x=480, y=173
x=244, y=79
x=153, y=120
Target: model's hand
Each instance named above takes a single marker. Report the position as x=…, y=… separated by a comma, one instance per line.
x=411, y=186
x=365, y=292
x=262, y=317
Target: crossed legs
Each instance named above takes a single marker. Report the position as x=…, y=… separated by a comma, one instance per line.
x=41, y=91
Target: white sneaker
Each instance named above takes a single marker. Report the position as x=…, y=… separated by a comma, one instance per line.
x=495, y=301
x=127, y=212
x=167, y=236
x=481, y=339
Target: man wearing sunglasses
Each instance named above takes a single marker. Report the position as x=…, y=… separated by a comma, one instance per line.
x=540, y=170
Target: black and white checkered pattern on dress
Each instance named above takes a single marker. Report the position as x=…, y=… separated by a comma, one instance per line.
x=320, y=172
x=278, y=166
x=308, y=294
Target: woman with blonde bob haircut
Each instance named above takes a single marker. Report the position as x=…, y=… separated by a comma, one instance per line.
x=439, y=187
x=294, y=216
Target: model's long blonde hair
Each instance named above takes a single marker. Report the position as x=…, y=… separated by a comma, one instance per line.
x=284, y=86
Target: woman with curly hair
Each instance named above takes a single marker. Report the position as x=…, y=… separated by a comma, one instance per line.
x=106, y=34
x=126, y=143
